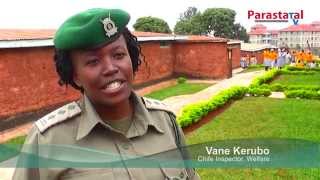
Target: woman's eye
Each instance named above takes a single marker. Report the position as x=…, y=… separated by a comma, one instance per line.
x=92, y=62
x=119, y=55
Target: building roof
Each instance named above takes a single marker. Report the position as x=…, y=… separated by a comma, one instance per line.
x=26, y=34
x=257, y=32
x=198, y=38
x=301, y=27
x=259, y=26
x=13, y=38
x=234, y=41
x=33, y=34
x=149, y=34
x=152, y=36
x=255, y=47
x=262, y=31
x=273, y=31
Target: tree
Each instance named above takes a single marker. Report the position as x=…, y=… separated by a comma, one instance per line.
x=219, y=21
x=151, y=24
x=190, y=22
x=189, y=13
x=190, y=26
x=216, y=21
x=239, y=32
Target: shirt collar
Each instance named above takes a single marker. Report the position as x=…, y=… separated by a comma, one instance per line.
x=89, y=118
x=141, y=121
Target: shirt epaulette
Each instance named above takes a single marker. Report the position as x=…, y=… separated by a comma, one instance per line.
x=61, y=114
x=156, y=105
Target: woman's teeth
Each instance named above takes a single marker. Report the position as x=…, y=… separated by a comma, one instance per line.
x=114, y=85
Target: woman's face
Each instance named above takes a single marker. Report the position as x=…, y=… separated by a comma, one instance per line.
x=105, y=73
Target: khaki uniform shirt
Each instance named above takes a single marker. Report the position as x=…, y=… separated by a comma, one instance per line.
x=151, y=132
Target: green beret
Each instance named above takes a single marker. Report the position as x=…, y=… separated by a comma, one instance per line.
x=91, y=28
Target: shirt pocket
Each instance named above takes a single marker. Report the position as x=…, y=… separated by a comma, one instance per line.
x=88, y=174
x=174, y=173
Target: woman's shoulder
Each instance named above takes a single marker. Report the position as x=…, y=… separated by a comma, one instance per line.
x=154, y=104
x=57, y=116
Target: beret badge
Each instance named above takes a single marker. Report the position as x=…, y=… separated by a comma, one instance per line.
x=109, y=26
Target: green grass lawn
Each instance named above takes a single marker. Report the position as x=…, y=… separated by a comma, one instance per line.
x=289, y=79
x=11, y=148
x=179, y=89
x=16, y=140
x=253, y=68
x=258, y=117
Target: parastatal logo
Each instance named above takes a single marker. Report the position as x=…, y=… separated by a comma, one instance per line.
x=278, y=16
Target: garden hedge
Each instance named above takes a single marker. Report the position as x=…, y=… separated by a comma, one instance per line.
x=304, y=94
x=194, y=112
x=293, y=68
x=265, y=78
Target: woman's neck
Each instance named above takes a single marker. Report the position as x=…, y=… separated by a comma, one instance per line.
x=115, y=112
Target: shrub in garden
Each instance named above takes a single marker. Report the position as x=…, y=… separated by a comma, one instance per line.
x=256, y=91
x=265, y=78
x=304, y=94
x=284, y=71
x=265, y=86
x=181, y=80
x=278, y=87
x=303, y=87
x=194, y=112
x=293, y=68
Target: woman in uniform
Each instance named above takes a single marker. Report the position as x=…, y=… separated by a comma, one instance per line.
x=97, y=55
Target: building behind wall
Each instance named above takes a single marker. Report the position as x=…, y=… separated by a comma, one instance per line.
x=260, y=35
x=298, y=36
x=234, y=52
x=295, y=36
x=254, y=50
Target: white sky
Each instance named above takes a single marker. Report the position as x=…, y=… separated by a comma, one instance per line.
x=51, y=13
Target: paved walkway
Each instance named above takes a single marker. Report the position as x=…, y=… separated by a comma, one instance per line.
x=241, y=79
x=177, y=102
x=277, y=95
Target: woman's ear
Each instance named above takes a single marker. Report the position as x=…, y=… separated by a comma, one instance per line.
x=76, y=79
x=75, y=75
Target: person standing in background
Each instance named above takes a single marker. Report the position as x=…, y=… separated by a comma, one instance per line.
x=281, y=58
x=266, y=59
x=300, y=59
x=273, y=58
x=309, y=59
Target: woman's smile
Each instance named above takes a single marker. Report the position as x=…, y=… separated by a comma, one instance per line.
x=114, y=86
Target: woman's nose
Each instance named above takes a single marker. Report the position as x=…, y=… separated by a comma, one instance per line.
x=109, y=68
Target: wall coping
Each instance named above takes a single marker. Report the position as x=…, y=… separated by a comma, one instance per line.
x=26, y=43
x=49, y=41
